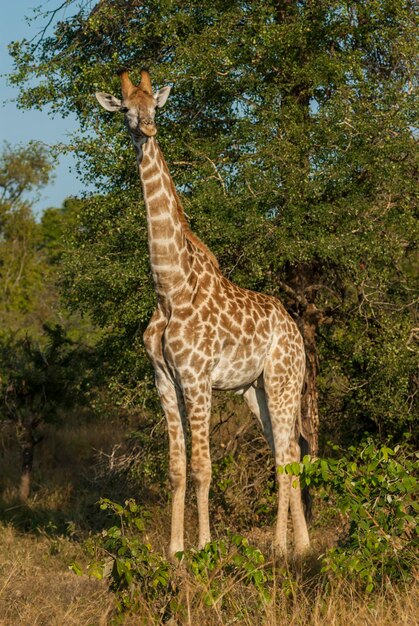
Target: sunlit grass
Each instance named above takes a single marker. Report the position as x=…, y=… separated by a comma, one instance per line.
x=39, y=540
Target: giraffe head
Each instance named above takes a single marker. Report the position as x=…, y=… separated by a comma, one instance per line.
x=138, y=104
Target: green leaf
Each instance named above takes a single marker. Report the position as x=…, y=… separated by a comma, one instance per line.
x=76, y=568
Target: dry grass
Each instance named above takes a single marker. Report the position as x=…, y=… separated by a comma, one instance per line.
x=342, y=607
x=39, y=541
x=37, y=588
x=306, y=606
x=36, y=539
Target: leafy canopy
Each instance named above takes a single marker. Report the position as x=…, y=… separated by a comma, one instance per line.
x=290, y=132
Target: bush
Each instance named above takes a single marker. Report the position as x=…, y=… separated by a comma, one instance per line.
x=374, y=488
x=136, y=573
x=140, y=577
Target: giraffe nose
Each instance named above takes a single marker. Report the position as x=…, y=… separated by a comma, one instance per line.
x=148, y=127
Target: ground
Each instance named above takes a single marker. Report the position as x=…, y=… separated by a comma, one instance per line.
x=41, y=539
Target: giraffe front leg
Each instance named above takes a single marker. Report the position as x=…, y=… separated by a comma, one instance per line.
x=172, y=405
x=197, y=397
x=172, y=408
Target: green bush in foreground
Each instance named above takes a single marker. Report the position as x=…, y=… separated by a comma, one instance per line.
x=138, y=575
x=373, y=488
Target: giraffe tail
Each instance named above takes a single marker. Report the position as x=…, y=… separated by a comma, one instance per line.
x=305, y=491
x=305, y=448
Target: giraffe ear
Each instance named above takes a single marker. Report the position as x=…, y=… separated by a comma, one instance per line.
x=109, y=103
x=161, y=96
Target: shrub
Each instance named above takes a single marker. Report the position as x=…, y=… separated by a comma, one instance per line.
x=136, y=573
x=374, y=488
x=140, y=577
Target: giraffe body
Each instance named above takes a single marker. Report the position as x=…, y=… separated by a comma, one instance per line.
x=207, y=333
x=222, y=332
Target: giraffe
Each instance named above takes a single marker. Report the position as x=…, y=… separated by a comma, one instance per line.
x=207, y=333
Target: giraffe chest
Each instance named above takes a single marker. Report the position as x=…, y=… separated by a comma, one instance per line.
x=230, y=350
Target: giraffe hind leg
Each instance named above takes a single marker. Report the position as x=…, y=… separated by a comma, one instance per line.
x=301, y=538
x=258, y=404
x=255, y=398
x=283, y=396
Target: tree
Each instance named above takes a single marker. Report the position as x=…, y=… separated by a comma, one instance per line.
x=291, y=135
x=54, y=224
x=23, y=171
x=38, y=380
x=44, y=367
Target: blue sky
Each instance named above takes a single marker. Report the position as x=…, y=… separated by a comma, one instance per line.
x=19, y=127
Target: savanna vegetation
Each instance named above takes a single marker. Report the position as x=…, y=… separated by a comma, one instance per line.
x=291, y=135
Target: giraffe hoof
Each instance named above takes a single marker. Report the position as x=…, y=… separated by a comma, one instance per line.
x=279, y=552
x=302, y=552
x=176, y=557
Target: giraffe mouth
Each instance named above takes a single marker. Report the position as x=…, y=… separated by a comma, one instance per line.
x=148, y=128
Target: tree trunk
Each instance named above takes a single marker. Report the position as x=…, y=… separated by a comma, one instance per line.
x=28, y=438
x=308, y=318
x=27, y=463
x=308, y=323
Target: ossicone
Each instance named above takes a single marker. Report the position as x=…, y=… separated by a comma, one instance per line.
x=127, y=87
x=145, y=84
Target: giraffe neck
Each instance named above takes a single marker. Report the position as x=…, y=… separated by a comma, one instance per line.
x=169, y=255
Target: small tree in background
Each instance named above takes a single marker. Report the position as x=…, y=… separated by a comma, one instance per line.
x=24, y=271
x=45, y=367
x=39, y=381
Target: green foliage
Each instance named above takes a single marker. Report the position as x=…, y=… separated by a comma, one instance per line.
x=290, y=133
x=234, y=558
x=38, y=378
x=374, y=488
x=371, y=488
x=116, y=292
x=137, y=574
x=135, y=571
x=368, y=375
x=23, y=171
x=55, y=223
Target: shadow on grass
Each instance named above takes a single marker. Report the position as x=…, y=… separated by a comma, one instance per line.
x=66, y=483
x=70, y=509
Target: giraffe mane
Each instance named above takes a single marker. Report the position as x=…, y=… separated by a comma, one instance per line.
x=189, y=234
